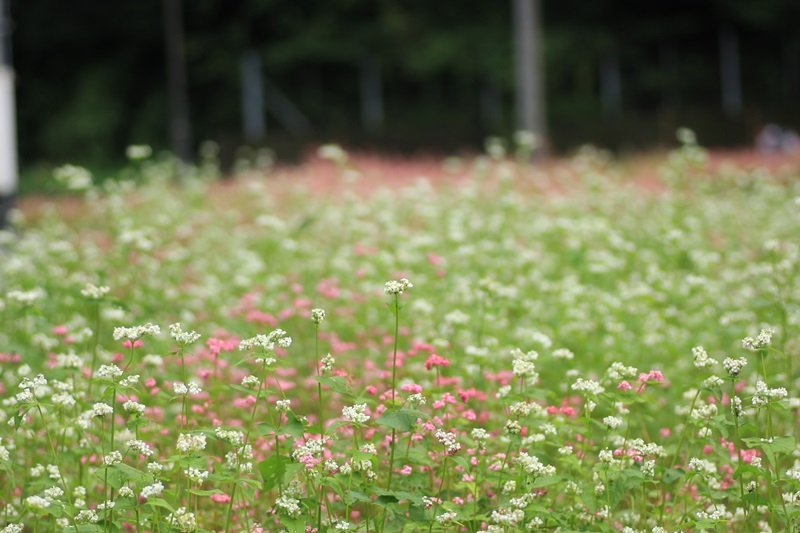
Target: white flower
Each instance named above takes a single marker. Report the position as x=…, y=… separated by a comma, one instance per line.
x=188, y=443
x=181, y=337
x=397, y=287
x=317, y=315
x=95, y=293
x=136, y=332
x=448, y=440
x=734, y=366
x=356, y=413
x=587, y=385
x=152, y=490
x=101, y=409
x=701, y=358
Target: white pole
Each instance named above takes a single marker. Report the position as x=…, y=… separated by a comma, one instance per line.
x=8, y=130
x=528, y=68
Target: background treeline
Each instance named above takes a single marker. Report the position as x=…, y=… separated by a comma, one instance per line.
x=401, y=74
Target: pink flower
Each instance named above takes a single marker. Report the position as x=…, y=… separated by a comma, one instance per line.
x=436, y=360
x=624, y=386
x=60, y=330
x=220, y=498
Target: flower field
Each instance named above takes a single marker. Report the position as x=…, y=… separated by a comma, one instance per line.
x=495, y=347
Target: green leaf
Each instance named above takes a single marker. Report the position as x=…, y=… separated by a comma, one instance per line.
x=546, y=481
x=158, y=502
x=293, y=426
x=272, y=470
x=671, y=475
x=294, y=525
x=402, y=420
x=335, y=383
x=199, y=492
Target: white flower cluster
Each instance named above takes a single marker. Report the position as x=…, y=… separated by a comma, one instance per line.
x=102, y=409
x=356, y=413
x=701, y=358
x=317, y=315
x=446, y=518
x=507, y=517
x=113, y=458
x=26, y=297
x=763, y=395
x=133, y=407
x=397, y=287
x=533, y=466
x=111, y=372
x=188, y=443
x=613, y=422
x=588, y=385
x=136, y=332
x=73, y=177
x=140, y=447
x=288, y=505
x=267, y=342
x=448, y=440
x=563, y=353
x=284, y=405
x=182, y=520
x=94, y=292
x=326, y=364
x=619, y=371
x=759, y=343
x=734, y=366
x=704, y=466
x=192, y=388
x=233, y=437
x=195, y=475
x=184, y=338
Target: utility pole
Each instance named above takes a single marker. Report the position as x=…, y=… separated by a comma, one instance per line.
x=528, y=68
x=179, y=124
x=8, y=124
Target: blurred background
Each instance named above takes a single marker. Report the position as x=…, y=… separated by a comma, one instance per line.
x=410, y=76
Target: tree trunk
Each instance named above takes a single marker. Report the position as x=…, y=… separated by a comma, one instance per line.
x=529, y=73
x=179, y=125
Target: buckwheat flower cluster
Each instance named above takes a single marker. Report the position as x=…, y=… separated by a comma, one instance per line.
x=326, y=364
x=101, y=409
x=182, y=520
x=250, y=381
x=111, y=372
x=94, y=292
x=356, y=413
x=763, y=395
x=134, y=408
x=734, y=366
x=236, y=438
x=507, y=517
x=480, y=436
x=533, y=466
x=588, y=385
x=613, y=422
x=701, y=358
x=446, y=518
x=619, y=371
x=87, y=516
x=267, y=342
x=759, y=343
x=195, y=475
x=289, y=506
x=563, y=353
x=523, y=364
x=448, y=440
x=26, y=297
x=183, y=338
x=113, y=458
x=396, y=288
x=703, y=466
x=12, y=528
x=736, y=407
x=284, y=405
x=713, y=381
x=317, y=315
x=136, y=332
x=140, y=447
x=188, y=443
x=192, y=389
x=69, y=360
